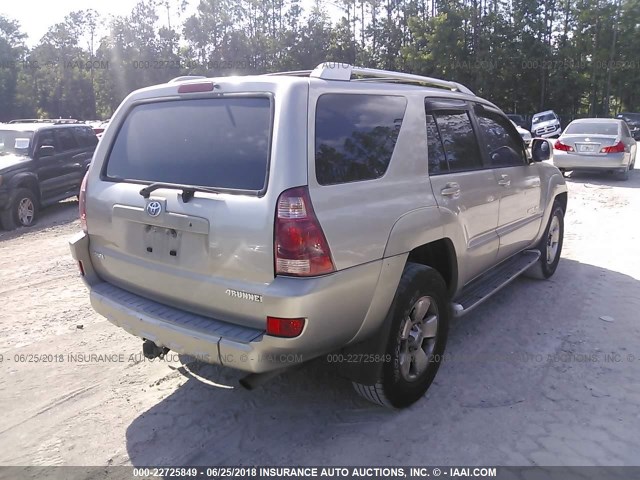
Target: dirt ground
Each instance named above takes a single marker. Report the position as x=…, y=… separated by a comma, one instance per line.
x=544, y=373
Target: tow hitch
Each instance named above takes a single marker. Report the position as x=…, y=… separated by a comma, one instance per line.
x=150, y=350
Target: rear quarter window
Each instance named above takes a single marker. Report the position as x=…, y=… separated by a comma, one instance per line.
x=66, y=140
x=220, y=142
x=85, y=136
x=355, y=136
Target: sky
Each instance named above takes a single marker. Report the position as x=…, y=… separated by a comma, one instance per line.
x=36, y=16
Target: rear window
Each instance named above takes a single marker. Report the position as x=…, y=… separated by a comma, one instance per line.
x=220, y=143
x=355, y=136
x=592, y=128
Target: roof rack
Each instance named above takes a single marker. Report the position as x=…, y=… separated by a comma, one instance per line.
x=55, y=121
x=294, y=73
x=31, y=120
x=344, y=72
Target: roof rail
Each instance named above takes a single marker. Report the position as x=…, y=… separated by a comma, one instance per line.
x=185, y=78
x=31, y=120
x=294, y=73
x=62, y=121
x=55, y=121
x=344, y=72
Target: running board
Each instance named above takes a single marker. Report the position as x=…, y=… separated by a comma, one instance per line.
x=490, y=282
x=59, y=198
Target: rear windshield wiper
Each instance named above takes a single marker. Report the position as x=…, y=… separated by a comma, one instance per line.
x=187, y=190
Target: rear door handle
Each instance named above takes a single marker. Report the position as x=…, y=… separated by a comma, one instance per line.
x=450, y=189
x=505, y=181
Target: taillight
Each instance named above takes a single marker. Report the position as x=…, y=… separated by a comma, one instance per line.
x=300, y=246
x=562, y=146
x=82, y=203
x=617, y=148
x=284, y=327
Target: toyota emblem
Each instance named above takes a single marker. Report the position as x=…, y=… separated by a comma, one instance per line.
x=154, y=208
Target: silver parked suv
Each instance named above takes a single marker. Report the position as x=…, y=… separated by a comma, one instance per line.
x=260, y=221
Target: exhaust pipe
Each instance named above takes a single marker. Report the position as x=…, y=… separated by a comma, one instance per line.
x=150, y=350
x=254, y=380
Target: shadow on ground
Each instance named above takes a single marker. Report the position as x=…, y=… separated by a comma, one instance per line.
x=491, y=392
x=605, y=179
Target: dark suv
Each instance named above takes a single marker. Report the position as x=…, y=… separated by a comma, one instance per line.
x=519, y=120
x=633, y=121
x=40, y=164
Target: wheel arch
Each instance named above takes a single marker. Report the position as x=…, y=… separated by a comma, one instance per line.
x=430, y=236
x=556, y=191
x=26, y=180
x=417, y=237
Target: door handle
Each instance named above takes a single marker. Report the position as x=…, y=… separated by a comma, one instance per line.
x=505, y=181
x=450, y=189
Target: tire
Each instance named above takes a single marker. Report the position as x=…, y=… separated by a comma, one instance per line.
x=550, y=246
x=22, y=212
x=419, y=317
x=624, y=175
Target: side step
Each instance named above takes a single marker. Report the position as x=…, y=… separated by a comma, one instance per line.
x=490, y=282
x=59, y=197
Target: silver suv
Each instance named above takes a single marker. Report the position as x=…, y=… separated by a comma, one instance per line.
x=258, y=222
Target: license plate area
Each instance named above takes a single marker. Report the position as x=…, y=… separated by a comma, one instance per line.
x=587, y=147
x=161, y=243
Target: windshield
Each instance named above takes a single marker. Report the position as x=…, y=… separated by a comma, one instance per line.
x=220, y=143
x=543, y=118
x=589, y=128
x=13, y=142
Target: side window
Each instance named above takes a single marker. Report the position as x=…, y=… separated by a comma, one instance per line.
x=355, y=136
x=85, y=136
x=435, y=149
x=459, y=140
x=45, y=137
x=66, y=140
x=501, y=142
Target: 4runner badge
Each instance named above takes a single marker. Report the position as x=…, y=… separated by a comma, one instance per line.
x=254, y=297
x=154, y=208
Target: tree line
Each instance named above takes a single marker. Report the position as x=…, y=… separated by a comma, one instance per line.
x=578, y=57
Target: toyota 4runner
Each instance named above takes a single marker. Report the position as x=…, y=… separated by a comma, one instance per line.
x=256, y=222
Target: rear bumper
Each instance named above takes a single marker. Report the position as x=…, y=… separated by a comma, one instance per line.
x=334, y=307
x=574, y=161
x=177, y=330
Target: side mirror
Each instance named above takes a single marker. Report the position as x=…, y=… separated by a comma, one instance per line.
x=540, y=149
x=46, y=151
